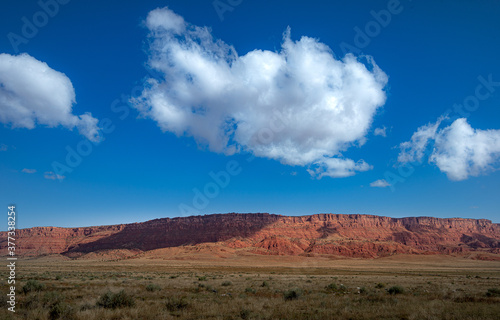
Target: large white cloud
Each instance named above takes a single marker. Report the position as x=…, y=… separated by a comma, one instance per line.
x=32, y=93
x=459, y=150
x=300, y=105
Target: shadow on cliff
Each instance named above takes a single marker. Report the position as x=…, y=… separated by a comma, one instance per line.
x=164, y=233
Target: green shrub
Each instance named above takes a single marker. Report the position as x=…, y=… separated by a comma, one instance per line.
x=265, y=284
x=153, y=287
x=396, y=290
x=209, y=287
x=331, y=287
x=380, y=285
x=226, y=283
x=33, y=285
x=61, y=310
x=493, y=292
x=342, y=289
x=111, y=300
x=203, y=278
x=245, y=314
x=292, y=294
x=250, y=290
x=176, y=303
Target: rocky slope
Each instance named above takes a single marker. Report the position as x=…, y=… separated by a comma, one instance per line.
x=351, y=235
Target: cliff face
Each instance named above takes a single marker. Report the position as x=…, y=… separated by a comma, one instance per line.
x=321, y=234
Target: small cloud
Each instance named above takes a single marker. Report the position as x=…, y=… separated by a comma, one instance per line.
x=293, y=173
x=52, y=176
x=33, y=94
x=28, y=170
x=382, y=183
x=380, y=131
x=458, y=150
x=3, y=147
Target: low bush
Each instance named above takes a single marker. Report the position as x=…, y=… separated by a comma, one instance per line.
x=250, y=290
x=493, y=292
x=111, y=300
x=396, y=290
x=153, y=287
x=245, y=314
x=176, y=303
x=33, y=285
x=331, y=287
x=226, y=283
x=61, y=310
x=292, y=294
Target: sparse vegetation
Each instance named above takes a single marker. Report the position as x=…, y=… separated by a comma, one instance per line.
x=331, y=287
x=493, y=292
x=33, y=285
x=112, y=300
x=61, y=310
x=396, y=290
x=153, y=287
x=293, y=293
x=250, y=290
x=176, y=303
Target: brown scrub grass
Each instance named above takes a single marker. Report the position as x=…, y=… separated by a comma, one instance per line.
x=398, y=287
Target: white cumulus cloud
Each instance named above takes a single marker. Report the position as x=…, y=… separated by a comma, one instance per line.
x=299, y=105
x=459, y=150
x=382, y=183
x=32, y=93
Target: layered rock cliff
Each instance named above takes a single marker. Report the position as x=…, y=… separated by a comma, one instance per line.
x=351, y=235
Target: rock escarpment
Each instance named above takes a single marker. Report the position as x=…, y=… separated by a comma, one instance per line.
x=352, y=235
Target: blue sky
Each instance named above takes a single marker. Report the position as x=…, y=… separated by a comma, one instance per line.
x=409, y=128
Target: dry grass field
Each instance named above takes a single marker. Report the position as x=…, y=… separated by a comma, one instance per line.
x=398, y=287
